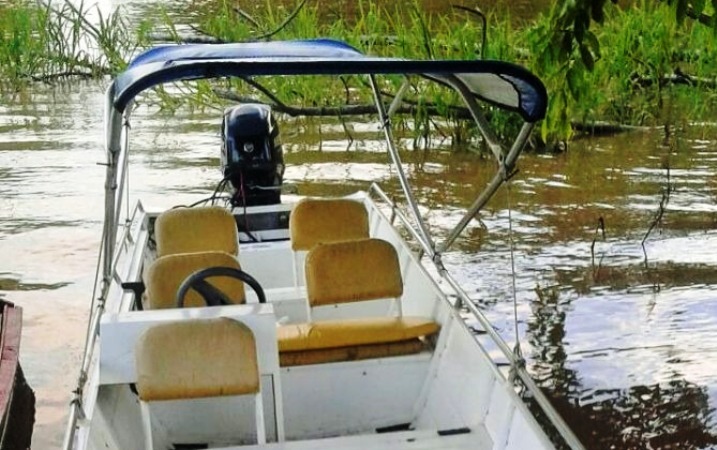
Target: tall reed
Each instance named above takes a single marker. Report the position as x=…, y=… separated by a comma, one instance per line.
x=57, y=41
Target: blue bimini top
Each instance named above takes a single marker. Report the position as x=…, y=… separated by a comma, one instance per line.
x=499, y=83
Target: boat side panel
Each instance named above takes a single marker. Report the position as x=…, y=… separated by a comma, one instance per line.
x=353, y=397
x=467, y=390
x=10, y=332
x=459, y=391
x=116, y=422
x=522, y=434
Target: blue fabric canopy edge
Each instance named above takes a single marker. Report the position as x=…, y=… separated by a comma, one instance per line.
x=500, y=83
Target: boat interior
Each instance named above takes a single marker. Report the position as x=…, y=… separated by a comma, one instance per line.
x=339, y=339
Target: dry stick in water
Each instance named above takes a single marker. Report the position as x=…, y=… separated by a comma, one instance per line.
x=660, y=212
x=477, y=11
x=347, y=128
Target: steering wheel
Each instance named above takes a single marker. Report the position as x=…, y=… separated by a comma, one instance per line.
x=211, y=295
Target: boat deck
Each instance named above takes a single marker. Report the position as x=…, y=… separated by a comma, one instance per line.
x=476, y=438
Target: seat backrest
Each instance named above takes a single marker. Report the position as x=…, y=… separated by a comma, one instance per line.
x=199, y=229
x=167, y=273
x=196, y=359
x=314, y=221
x=352, y=271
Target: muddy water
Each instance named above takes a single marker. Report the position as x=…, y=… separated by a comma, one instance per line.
x=620, y=336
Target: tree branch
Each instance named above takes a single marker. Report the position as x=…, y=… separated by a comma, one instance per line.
x=284, y=23
x=677, y=77
x=320, y=111
x=247, y=17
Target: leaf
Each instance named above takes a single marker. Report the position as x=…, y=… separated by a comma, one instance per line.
x=544, y=131
x=587, y=57
x=581, y=25
x=593, y=43
x=566, y=47
x=597, y=10
x=698, y=6
x=574, y=78
x=681, y=9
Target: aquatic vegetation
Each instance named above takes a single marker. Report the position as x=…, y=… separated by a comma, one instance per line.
x=638, y=65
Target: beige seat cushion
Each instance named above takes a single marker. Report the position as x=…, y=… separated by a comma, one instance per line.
x=352, y=271
x=352, y=332
x=355, y=353
x=314, y=221
x=167, y=273
x=196, y=358
x=199, y=229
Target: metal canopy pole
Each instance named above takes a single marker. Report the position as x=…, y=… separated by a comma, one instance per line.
x=422, y=230
x=115, y=132
x=114, y=151
x=122, y=170
x=398, y=98
x=505, y=161
x=500, y=177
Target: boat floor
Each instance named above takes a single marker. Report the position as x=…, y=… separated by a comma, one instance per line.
x=476, y=438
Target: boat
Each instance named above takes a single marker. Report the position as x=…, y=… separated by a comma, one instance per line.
x=17, y=400
x=246, y=321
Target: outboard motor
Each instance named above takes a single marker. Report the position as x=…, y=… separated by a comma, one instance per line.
x=252, y=158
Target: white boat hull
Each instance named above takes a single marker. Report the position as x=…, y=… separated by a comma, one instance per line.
x=452, y=397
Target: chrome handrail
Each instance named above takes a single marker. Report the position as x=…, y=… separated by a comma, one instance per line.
x=97, y=307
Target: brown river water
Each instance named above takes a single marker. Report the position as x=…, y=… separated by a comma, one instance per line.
x=620, y=335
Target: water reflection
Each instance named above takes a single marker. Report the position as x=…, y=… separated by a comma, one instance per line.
x=675, y=413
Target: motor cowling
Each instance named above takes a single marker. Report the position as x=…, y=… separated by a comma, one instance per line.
x=252, y=157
